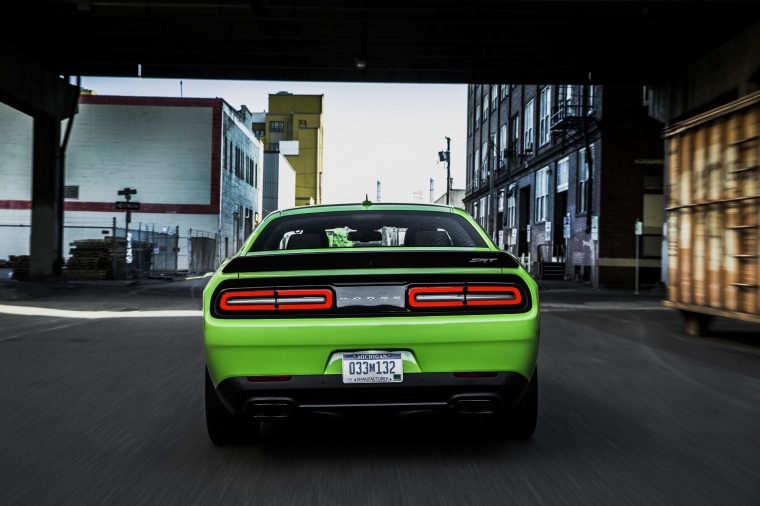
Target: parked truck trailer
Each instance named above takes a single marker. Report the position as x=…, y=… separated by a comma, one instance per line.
x=713, y=215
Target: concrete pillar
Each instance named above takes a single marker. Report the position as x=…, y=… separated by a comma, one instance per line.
x=46, y=256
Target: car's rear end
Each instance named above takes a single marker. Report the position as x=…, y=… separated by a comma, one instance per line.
x=395, y=327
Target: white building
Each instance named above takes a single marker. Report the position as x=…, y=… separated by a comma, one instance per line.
x=195, y=164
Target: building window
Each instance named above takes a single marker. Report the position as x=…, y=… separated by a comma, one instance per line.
x=484, y=161
x=544, y=134
x=502, y=144
x=276, y=126
x=494, y=152
x=477, y=115
x=528, y=127
x=477, y=169
x=515, y=134
x=582, y=190
x=485, y=107
x=512, y=208
x=494, y=96
x=563, y=174
x=568, y=98
x=274, y=146
x=482, y=213
x=504, y=91
x=500, y=202
x=542, y=192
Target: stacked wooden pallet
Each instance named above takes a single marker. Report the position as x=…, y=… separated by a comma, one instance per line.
x=20, y=265
x=90, y=259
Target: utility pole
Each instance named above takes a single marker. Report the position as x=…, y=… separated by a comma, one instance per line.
x=445, y=156
x=448, y=170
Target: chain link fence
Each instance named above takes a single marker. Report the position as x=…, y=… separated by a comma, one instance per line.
x=103, y=251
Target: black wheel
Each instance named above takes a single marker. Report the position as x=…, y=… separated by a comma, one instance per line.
x=696, y=324
x=225, y=428
x=520, y=421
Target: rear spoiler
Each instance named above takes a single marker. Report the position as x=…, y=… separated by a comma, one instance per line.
x=353, y=259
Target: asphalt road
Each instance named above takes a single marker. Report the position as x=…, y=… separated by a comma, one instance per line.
x=632, y=412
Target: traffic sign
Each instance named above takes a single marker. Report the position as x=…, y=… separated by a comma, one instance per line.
x=131, y=206
x=127, y=192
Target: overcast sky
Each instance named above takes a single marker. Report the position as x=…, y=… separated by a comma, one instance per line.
x=390, y=133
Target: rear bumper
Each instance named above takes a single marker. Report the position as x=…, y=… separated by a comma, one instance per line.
x=327, y=393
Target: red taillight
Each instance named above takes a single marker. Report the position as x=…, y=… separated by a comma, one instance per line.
x=301, y=299
x=464, y=296
x=291, y=300
x=487, y=295
x=258, y=300
x=436, y=296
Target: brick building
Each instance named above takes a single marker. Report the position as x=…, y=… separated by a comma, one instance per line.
x=560, y=175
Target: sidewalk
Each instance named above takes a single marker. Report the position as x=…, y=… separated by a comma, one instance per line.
x=176, y=292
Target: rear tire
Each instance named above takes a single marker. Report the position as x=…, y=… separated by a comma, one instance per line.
x=520, y=421
x=225, y=428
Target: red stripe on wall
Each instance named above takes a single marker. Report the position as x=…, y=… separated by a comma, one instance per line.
x=16, y=204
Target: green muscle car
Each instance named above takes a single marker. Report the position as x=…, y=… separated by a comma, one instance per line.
x=370, y=307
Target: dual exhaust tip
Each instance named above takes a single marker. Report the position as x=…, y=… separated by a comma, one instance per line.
x=462, y=404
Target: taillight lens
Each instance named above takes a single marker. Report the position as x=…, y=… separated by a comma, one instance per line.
x=464, y=296
x=301, y=299
x=493, y=295
x=255, y=300
x=436, y=296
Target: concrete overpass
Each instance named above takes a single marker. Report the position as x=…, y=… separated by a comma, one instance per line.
x=690, y=54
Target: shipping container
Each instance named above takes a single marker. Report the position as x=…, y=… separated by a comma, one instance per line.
x=713, y=215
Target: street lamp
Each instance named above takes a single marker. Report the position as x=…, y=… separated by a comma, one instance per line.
x=445, y=156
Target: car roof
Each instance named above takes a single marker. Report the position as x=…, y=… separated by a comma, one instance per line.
x=366, y=206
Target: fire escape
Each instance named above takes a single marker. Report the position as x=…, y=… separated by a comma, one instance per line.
x=567, y=117
x=567, y=127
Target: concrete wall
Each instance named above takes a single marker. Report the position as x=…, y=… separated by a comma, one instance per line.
x=16, y=178
x=730, y=71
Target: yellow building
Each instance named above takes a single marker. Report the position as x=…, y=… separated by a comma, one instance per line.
x=293, y=126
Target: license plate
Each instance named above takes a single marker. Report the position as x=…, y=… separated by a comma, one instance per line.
x=372, y=368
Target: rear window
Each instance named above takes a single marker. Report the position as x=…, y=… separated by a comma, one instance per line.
x=368, y=229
